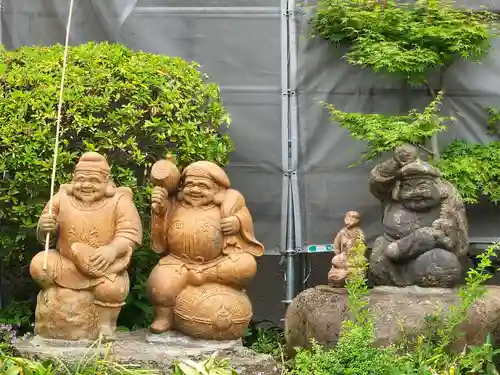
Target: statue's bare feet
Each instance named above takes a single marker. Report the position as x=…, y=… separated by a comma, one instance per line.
x=106, y=333
x=163, y=320
x=160, y=325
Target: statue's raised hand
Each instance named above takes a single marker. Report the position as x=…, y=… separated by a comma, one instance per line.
x=159, y=198
x=48, y=223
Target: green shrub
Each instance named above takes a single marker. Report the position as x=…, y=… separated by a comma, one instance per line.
x=132, y=106
x=406, y=39
x=427, y=354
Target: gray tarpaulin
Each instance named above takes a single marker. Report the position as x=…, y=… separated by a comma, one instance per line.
x=239, y=43
x=236, y=42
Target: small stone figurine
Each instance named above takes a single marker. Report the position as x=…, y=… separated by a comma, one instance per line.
x=94, y=227
x=343, y=263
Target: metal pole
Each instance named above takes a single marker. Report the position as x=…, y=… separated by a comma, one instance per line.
x=292, y=281
x=291, y=258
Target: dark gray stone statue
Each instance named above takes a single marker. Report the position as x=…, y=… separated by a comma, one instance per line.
x=424, y=223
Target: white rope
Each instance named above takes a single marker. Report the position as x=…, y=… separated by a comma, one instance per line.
x=58, y=126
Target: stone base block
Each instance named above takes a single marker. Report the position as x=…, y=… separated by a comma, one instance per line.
x=66, y=314
x=319, y=312
x=141, y=349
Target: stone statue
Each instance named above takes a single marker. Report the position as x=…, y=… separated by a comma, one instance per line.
x=204, y=232
x=424, y=223
x=345, y=244
x=94, y=227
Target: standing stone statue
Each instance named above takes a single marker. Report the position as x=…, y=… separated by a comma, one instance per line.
x=94, y=227
x=204, y=232
x=347, y=243
x=424, y=223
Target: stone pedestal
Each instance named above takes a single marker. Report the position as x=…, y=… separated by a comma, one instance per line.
x=140, y=349
x=319, y=312
x=66, y=314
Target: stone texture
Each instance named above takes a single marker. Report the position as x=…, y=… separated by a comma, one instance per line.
x=147, y=351
x=318, y=313
x=89, y=229
x=424, y=239
x=75, y=319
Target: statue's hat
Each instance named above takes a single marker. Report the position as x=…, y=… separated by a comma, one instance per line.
x=208, y=170
x=419, y=169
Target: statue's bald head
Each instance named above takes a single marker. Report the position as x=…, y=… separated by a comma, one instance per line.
x=92, y=161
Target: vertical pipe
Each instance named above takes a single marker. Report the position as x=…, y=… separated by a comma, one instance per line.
x=290, y=254
x=288, y=160
x=294, y=145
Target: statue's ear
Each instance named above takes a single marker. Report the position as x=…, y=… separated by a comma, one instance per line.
x=110, y=188
x=180, y=195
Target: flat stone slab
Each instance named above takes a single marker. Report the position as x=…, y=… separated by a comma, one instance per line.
x=140, y=349
x=174, y=339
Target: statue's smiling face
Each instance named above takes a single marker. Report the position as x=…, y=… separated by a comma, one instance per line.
x=89, y=186
x=199, y=191
x=419, y=194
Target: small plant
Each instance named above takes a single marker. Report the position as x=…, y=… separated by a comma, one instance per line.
x=354, y=353
x=265, y=340
x=432, y=348
x=208, y=366
x=89, y=364
x=406, y=39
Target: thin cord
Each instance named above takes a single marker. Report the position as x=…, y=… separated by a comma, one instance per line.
x=58, y=126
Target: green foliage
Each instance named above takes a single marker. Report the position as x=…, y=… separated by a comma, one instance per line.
x=385, y=133
x=208, y=366
x=269, y=340
x=132, y=106
x=429, y=353
x=407, y=39
x=432, y=348
x=90, y=364
x=473, y=169
x=138, y=312
x=355, y=353
x=17, y=313
x=493, y=121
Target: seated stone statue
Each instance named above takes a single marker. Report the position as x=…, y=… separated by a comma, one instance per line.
x=94, y=227
x=346, y=241
x=204, y=232
x=424, y=223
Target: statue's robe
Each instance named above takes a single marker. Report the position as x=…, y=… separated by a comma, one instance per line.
x=192, y=236
x=95, y=225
